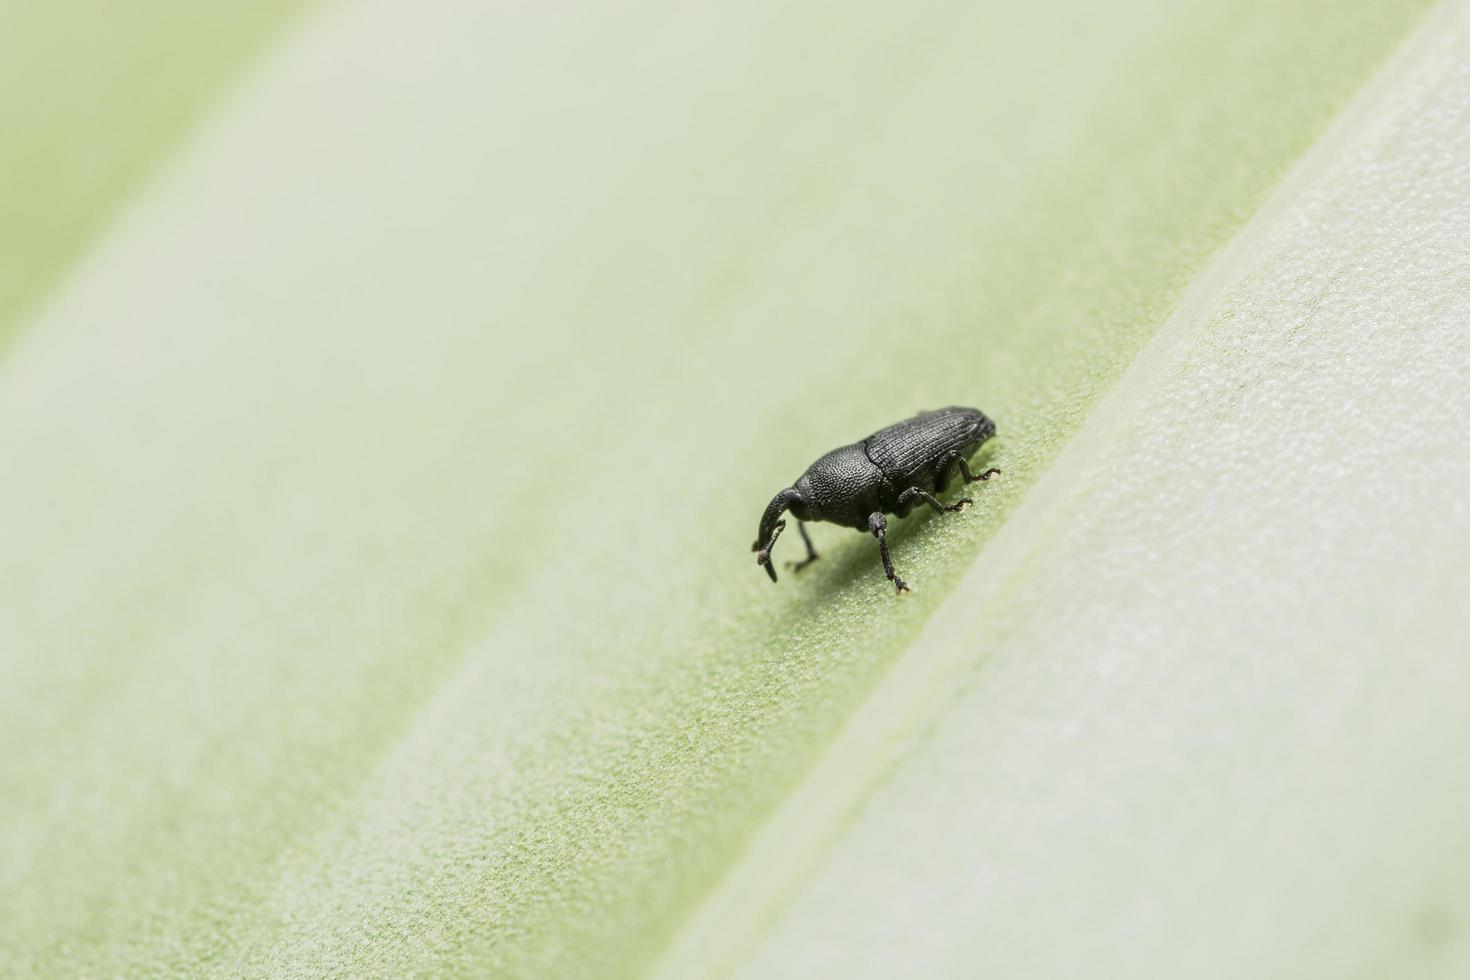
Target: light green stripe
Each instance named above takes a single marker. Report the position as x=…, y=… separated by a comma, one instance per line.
x=93, y=95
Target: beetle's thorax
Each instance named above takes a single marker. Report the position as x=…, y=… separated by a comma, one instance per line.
x=842, y=487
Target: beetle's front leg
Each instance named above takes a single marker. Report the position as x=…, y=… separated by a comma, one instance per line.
x=811, y=551
x=946, y=470
x=763, y=554
x=878, y=524
x=928, y=498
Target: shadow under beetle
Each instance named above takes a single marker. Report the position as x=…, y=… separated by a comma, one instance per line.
x=891, y=471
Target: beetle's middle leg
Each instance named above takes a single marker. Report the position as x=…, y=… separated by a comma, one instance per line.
x=928, y=498
x=947, y=467
x=811, y=551
x=878, y=524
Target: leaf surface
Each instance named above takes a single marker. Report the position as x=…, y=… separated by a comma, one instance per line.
x=379, y=594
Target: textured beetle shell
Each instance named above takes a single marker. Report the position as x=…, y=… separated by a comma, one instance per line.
x=843, y=487
x=850, y=483
x=907, y=453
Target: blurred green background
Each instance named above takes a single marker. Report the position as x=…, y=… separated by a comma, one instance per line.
x=94, y=96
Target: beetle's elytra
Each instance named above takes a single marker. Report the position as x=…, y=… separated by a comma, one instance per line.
x=891, y=471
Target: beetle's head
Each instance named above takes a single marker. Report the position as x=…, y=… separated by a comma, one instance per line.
x=771, y=528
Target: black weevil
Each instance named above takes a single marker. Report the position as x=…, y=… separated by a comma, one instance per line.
x=890, y=471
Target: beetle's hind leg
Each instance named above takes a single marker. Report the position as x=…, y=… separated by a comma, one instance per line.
x=928, y=498
x=878, y=524
x=811, y=551
x=947, y=467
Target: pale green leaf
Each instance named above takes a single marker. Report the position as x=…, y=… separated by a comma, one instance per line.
x=92, y=95
x=378, y=593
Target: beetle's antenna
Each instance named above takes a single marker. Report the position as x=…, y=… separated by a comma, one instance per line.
x=771, y=528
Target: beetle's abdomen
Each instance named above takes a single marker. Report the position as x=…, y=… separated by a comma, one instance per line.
x=910, y=450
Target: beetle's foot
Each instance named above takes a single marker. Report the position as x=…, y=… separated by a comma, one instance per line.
x=959, y=505
x=988, y=474
x=796, y=566
x=901, y=586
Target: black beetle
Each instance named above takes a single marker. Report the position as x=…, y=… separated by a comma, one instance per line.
x=890, y=471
